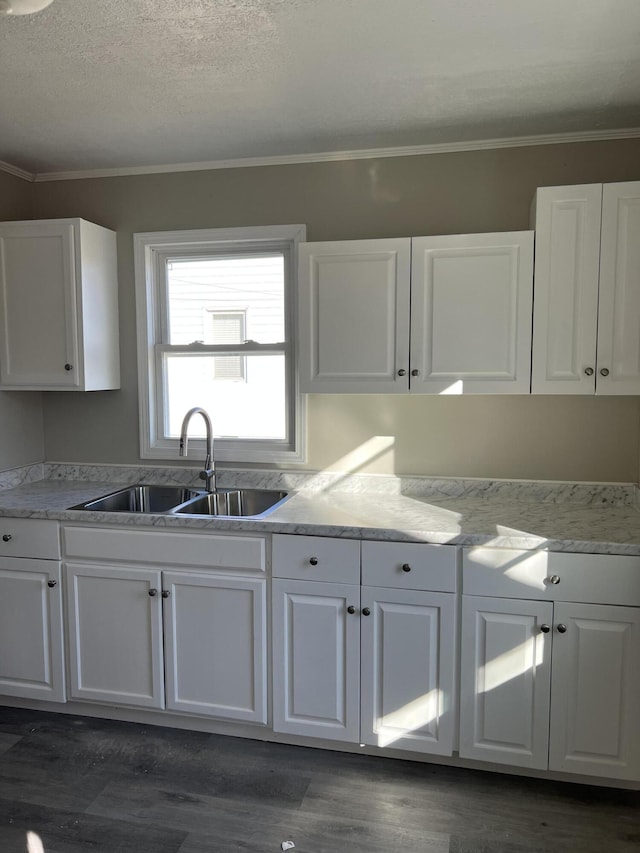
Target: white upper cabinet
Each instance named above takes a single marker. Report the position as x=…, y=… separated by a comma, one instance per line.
x=354, y=316
x=58, y=286
x=619, y=295
x=427, y=315
x=586, y=329
x=471, y=298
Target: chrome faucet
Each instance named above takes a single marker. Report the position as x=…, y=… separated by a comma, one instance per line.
x=208, y=474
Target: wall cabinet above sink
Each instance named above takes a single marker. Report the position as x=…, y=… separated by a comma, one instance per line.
x=59, y=290
x=432, y=315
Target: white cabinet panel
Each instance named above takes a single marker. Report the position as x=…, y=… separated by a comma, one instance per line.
x=31, y=641
x=316, y=659
x=29, y=537
x=407, y=565
x=58, y=286
x=619, y=303
x=37, y=272
x=586, y=331
x=316, y=558
x=354, y=315
x=165, y=548
x=565, y=318
x=551, y=576
x=115, y=635
x=595, y=707
x=471, y=302
x=215, y=645
x=505, y=681
x=408, y=666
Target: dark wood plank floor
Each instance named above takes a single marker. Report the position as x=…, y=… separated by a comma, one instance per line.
x=94, y=785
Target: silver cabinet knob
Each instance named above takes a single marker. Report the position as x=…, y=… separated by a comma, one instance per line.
x=415, y=372
x=588, y=371
x=7, y=537
x=545, y=629
x=554, y=579
x=402, y=372
x=52, y=583
x=604, y=371
x=153, y=592
x=562, y=629
x=313, y=561
x=406, y=567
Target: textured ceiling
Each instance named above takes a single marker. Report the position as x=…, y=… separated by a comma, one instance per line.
x=94, y=84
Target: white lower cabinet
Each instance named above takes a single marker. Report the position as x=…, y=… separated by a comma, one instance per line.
x=158, y=636
x=408, y=666
x=505, y=679
x=595, y=691
x=115, y=635
x=372, y=665
x=31, y=639
x=215, y=638
x=316, y=659
x=551, y=684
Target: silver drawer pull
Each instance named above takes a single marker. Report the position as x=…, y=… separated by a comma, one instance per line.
x=554, y=579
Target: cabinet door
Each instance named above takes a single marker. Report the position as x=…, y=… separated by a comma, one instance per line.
x=31, y=645
x=471, y=313
x=215, y=645
x=565, y=315
x=595, y=705
x=619, y=300
x=38, y=291
x=505, y=681
x=115, y=635
x=316, y=659
x=354, y=316
x=408, y=664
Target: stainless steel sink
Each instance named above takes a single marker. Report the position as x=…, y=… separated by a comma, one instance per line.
x=234, y=503
x=142, y=499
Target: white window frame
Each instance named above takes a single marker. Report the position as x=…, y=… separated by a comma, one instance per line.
x=151, y=250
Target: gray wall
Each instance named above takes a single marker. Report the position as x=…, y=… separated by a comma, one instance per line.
x=522, y=437
x=21, y=430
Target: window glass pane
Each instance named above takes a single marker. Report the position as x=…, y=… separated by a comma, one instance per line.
x=249, y=286
x=250, y=407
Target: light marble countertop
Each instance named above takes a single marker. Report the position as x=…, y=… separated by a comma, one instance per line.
x=500, y=515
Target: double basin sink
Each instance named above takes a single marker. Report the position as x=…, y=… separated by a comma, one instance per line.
x=179, y=500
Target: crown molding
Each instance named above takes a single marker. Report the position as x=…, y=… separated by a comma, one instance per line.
x=331, y=156
x=17, y=171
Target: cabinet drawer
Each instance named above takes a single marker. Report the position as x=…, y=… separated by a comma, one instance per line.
x=162, y=548
x=409, y=566
x=587, y=578
x=28, y=537
x=316, y=559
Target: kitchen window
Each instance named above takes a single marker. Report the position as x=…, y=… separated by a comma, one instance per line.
x=216, y=329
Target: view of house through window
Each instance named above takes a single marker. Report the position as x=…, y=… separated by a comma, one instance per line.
x=222, y=301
